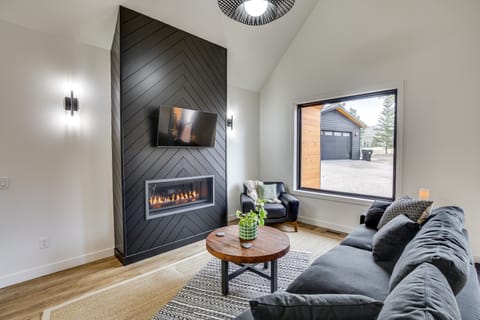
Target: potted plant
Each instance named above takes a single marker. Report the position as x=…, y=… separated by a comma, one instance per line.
x=249, y=221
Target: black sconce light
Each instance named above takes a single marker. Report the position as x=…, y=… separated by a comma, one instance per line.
x=71, y=103
x=230, y=122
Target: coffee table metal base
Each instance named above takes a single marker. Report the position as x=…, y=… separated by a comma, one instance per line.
x=244, y=267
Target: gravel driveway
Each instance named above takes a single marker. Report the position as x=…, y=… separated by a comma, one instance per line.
x=358, y=176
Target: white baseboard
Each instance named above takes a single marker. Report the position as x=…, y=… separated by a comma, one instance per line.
x=231, y=217
x=325, y=224
x=315, y=222
x=43, y=270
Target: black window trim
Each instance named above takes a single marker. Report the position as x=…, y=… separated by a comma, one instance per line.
x=337, y=100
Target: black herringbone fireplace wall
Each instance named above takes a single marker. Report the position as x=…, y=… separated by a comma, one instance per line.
x=155, y=64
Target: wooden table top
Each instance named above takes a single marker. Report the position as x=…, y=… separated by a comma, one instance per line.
x=269, y=245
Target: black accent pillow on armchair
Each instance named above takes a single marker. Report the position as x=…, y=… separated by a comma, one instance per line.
x=375, y=212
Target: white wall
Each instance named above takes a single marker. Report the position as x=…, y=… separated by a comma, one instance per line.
x=434, y=46
x=242, y=143
x=59, y=167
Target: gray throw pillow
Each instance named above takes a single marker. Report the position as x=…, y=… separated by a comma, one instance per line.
x=268, y=193
x=287, y=306
x=412, y=208
x=389, y=242
x=423, y=294
x=440, y=242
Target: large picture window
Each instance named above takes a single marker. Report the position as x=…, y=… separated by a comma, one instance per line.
x=347, y=145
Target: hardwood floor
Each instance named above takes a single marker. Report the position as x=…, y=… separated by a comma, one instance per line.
x=27, y=300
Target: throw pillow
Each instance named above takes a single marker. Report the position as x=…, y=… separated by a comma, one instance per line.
x=268, y=192
x=285, y=306
x=440, y=242
x=389, y=242
x=375, y=212
x=251, y=186
x=424, y=217
x=423, y=294
x=405, y=205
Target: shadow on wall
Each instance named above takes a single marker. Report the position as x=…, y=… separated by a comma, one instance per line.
x=477, y=266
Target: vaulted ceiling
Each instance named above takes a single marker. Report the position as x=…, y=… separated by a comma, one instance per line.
x=253, y=52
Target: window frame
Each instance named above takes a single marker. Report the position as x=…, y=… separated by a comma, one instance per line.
x=344, y=98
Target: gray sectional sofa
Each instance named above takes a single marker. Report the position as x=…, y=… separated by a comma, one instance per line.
x=432, y=277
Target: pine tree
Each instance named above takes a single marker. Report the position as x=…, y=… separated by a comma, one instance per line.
x=385, y=125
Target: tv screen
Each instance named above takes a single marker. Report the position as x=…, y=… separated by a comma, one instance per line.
x=180, y=127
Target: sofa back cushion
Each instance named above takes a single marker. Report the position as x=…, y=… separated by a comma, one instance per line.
x=423, y=294
x=283, y=305
x=469, y=298
x=440, y=242
x=388, y=243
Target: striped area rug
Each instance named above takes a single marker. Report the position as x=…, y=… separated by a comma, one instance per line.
x=201, y=298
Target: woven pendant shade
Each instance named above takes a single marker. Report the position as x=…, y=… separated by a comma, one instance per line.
x=235, y=9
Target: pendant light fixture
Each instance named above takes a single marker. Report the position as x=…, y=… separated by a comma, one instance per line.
x=255, y=8
x=255, y=12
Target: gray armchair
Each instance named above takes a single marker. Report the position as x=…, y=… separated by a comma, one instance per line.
x=286, y=211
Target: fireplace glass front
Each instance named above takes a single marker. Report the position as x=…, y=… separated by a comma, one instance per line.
x=171, y=196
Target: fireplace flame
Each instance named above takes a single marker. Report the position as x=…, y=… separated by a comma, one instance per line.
x=157, y=202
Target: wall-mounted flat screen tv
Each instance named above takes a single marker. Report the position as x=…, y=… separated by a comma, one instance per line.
x=180, y=127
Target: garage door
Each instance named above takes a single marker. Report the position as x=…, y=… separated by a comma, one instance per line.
x=336, y=145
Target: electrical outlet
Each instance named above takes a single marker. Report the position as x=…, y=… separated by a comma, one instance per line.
x=44, y=243
x=3, y=183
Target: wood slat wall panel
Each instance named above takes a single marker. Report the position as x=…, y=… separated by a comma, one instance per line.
x=161, y=65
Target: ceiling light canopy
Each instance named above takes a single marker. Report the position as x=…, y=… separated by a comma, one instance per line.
x=255, y=12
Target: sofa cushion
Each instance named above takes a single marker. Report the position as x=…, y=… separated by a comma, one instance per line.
x=440, y=242
x=454, y=212
x=405, y=205
x=286, y=306
x=423, y=294
x=375, y=212
x=389, y=242
x=246, y=315
x=275, y=210
x=361, y=237
x=469, y=298
x=345, y=270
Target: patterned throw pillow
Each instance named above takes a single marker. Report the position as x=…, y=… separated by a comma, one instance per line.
x=412, y=208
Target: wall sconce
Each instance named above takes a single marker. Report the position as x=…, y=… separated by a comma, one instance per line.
x=230, y=122
x=423, y=194
x=71, y=103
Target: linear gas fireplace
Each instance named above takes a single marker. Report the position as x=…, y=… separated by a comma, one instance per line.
x=171, y=196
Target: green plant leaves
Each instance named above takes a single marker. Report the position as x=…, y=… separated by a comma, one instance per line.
x=253, y=217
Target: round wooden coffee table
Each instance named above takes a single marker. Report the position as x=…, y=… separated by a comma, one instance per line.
x=270, y=245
